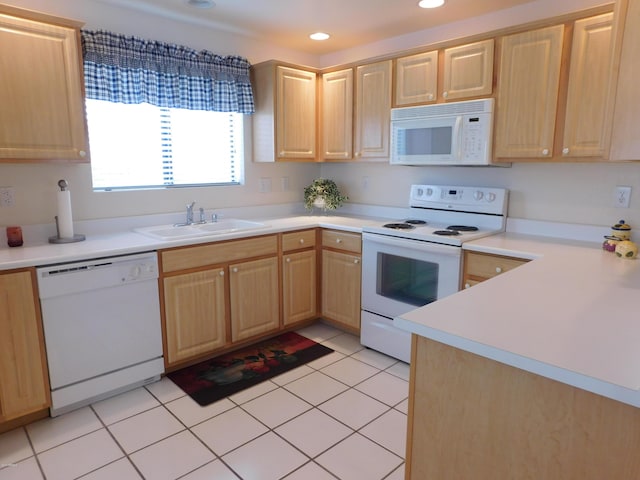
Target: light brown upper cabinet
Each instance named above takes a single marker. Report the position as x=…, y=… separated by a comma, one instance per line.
x=416, y=79
x=625, y=141
x=585, y=132
x=372, y=116
x=468, y=70
x=284, y=125
x=42, y=115
x=528, y=93
x=337, y=115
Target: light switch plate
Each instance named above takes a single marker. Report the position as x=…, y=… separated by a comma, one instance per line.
x=7, y=197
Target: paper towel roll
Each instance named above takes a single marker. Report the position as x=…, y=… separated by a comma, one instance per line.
x=65, y=218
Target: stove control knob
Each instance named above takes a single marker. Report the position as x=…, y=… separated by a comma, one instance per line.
x=429, y=192
x=478, y=195
x=419, y=192
x=490, y=197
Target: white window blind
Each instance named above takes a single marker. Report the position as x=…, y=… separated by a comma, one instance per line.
x=135, y=146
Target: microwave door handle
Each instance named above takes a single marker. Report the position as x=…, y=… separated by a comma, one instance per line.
x=457, y=138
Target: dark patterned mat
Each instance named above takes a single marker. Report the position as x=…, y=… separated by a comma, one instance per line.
x=209, y=381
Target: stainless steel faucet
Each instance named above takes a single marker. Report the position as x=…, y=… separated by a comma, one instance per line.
x=190, y=213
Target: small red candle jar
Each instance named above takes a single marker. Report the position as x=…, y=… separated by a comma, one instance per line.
x=14, y=236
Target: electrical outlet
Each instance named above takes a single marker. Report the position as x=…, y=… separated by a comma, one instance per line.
x=365, y=183
x=265, y=185
x=7, y=197
x=284, y=183
x=623, y=197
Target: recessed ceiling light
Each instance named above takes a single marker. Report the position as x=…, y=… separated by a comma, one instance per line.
x=319, y=36
x=201, y=3
x=430, y=3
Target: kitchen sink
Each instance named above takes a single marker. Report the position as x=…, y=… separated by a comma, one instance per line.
x=177, y=232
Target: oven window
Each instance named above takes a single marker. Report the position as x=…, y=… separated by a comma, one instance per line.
x=407, y=280
x=425, y=141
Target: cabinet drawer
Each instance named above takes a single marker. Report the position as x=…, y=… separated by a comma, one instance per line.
x=488, y=266
x=298, y=240
x=216, y=253
x=350, y=242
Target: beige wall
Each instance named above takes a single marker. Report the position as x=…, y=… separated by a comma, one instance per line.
x=567, y=192
x=572, y=193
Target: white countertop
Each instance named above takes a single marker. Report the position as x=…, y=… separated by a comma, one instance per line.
x=126, y=241
x=570, y=314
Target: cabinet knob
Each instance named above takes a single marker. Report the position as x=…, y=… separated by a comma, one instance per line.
x=235, y=270
x=565, y=151
x=221, y=273
x=445, y=94
x=338, y=240
x=82, y=154
x=356, y=261
x=498, y=269
x=301, y=241
x=467, y=285
x=545, y=151
x=430, y=96
x=356, y=154
x=288, y=260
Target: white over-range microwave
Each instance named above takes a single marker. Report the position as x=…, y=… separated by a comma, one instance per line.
x=456, y=133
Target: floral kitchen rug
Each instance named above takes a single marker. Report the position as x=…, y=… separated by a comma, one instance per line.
x=209, y=381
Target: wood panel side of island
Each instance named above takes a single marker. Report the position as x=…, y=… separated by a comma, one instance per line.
x=474, y=418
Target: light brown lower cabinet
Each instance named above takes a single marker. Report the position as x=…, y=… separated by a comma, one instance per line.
x=341, y=278
x=195, y=314
x=254, y=294
x=299, y=287
x=471, y=418
x=24, y=383
x=299, y=277
x=478, y=267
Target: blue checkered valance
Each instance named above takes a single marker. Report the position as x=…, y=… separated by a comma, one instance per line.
x=127, y=69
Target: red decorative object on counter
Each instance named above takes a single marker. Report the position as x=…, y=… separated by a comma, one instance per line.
x=14, y=236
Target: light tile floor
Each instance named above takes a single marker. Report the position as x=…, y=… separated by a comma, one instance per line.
x=342, y=416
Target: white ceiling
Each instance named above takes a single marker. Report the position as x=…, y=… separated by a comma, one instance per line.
x=288, y=23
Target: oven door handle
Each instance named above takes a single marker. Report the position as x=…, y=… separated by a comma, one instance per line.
x=412, y=244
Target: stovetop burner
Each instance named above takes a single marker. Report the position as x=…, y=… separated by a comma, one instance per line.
x=446, y=233
x=462, y=228
x=399, y=226
x=413, y=221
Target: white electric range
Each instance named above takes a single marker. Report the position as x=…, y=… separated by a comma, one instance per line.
x=411, y=262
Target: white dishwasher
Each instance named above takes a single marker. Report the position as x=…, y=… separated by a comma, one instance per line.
x=101, y=327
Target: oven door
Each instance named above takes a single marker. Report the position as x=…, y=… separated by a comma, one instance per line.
x=399, y=275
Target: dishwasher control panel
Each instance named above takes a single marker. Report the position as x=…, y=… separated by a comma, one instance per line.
x=93, y=274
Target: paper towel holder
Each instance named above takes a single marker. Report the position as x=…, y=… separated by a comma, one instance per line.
x=78, y=237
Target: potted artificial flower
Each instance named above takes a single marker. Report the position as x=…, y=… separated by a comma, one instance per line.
x=323, y=193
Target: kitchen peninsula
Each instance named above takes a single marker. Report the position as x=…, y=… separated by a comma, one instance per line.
x=534, y=374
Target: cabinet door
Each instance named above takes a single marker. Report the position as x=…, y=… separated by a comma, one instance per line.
x=299, y=286
x=337, y=115
x=468, y=70
x=195, y=319
x=295, y=113
x=528, y=93
x=584, y=129
x=24, y=386
x=625, y=141
x=42, y=115
x=479, y=267
x=373, y=105
x=416, y=79
x=254, y=298
x=341, y=288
